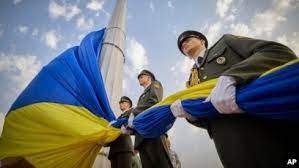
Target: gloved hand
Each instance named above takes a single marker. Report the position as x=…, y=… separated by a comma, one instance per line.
x=111, y=122
x=125, y=130
x=130, y=120
x=178, y=110
x=223, y=96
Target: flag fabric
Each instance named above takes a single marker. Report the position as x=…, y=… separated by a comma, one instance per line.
x=274, y=95
x=62, y=117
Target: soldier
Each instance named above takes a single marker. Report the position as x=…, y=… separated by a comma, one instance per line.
x=240, y=140
x=152, y=152
x=121, y=150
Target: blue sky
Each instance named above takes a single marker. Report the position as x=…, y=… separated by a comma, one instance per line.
x=32, y=33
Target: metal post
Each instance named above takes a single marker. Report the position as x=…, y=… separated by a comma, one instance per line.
x=112, y=55
x=111, y=64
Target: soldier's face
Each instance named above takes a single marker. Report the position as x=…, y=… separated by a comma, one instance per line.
x=124, y=106
x=192, y=47
x=144, y=80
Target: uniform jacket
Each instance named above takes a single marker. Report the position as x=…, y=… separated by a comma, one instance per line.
x=243, y=58
x=123, y=143
x=150, y=96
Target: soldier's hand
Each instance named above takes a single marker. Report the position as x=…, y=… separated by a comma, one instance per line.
x=125, y=130
x=223, y=96
x=178, y=110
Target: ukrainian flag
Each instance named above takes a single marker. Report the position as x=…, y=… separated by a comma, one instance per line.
x=62, y=117
x=274, y=95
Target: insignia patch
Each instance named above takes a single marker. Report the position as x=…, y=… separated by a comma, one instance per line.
x=221, y=60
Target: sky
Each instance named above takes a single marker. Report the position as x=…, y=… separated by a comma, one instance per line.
x=32, y=33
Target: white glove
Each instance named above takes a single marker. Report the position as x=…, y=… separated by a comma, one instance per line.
x=112, y=122
x=124, y=130
x=178, y=110
x=130, y=120
x=223, y=96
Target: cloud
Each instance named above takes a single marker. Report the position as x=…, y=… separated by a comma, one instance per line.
x=230, y=17
x=180, y=71
x=15, y=2
x=169, y=4
x=106, y=13
x=20, y=68
x=95, y=5
x=136, y=58
x=183, y=66
x=83, y=24
x=34, y=32
x=23, y=29
x=66, y=10
x=151, y=6
x=213, y=32
x=291, y=41
x=51, y=38
x=266, y=21
x=240, y=29
x=222, y=6
x=16, y=70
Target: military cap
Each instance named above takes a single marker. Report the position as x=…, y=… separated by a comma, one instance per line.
x=126, y=99
x=188, y=34
x=148, y=73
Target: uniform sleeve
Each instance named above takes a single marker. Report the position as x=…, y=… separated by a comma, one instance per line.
x=259, y=57
x=125, y=114
x=140, y=108
x=157, y=92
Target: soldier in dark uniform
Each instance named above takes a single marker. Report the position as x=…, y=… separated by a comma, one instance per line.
x=152, y=151
x=121, y=150
x=240, y=140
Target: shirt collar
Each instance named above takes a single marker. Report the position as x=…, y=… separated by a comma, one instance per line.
x=201, y=54
x=147, y=86
x=127, y=110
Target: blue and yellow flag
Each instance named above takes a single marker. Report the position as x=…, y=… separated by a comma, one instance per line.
x=274, y=95
x=62, y=117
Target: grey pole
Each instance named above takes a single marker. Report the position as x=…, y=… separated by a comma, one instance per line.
x=111, y=64
x=112, y=55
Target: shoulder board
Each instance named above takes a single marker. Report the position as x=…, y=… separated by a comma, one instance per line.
x=157, y=85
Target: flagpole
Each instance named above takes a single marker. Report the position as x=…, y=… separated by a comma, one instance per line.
x=111, y=63
x=112, y=54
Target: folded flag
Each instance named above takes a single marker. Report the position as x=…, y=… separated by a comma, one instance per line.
x=274, y=95
x=119, y=122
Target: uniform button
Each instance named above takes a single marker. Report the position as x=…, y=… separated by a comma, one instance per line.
x=205, y=77
x=221, y=60
x=202, y=68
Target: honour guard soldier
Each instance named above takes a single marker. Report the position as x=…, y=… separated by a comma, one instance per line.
x=153, y=152
x=240, y=140
x=121, y=150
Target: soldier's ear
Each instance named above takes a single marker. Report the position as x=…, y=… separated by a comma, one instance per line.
x=203, y=42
